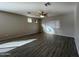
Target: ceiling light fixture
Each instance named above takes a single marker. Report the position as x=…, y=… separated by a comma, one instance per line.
x=42, y=16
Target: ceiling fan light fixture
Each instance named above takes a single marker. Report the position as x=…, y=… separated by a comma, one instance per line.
x=42, y=16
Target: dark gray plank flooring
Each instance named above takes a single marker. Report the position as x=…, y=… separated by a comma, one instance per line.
x=46, y=45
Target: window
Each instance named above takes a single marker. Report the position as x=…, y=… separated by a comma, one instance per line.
x=48, y=29
x=55, y=24
x=36, y=21
x=29, y=20
x=51, y=27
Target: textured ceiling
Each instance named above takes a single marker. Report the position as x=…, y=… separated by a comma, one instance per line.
x=56, y=8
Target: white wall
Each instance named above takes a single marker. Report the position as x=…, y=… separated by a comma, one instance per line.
x=66, y=24
x=77, y=26
x=12, y=24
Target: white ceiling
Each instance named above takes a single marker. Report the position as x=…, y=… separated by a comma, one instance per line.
x=22, y=8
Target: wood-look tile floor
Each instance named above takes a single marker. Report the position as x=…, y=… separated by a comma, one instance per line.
x=46, y=45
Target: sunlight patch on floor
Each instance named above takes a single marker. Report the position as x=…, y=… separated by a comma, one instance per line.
x=5, y=47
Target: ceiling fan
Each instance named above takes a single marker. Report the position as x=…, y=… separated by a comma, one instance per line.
x=41, y=14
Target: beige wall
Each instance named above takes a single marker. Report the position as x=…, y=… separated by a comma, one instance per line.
x=13, y=24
